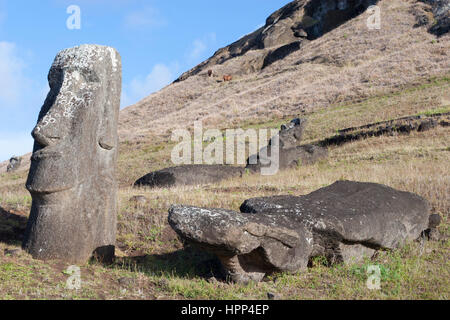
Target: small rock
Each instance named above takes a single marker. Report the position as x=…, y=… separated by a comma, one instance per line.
x=163, y=283
x=212, y=280
x=139, y=200
x=12, y=252
x=126, y=281
x=434, y=221
x=434, y=235
x=301, y=34
x=431, y=234
x=273, y=296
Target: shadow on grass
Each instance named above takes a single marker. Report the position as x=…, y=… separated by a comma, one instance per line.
x=184, y=263
x=12, y=227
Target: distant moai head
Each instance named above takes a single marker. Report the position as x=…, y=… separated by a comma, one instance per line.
x=72, y=173
x=291, y=133
x=14, y=164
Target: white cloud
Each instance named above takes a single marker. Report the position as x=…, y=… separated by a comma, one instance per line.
x=147, y=17
x=12, y=78
x=15, y=144
x=200, y=46
x=198, y=50
x=141, y=87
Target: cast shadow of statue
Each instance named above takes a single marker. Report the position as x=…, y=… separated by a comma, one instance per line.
x=184, y=263
x=12, y=227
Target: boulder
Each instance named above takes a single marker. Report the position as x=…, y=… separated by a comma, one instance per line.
x=189, y=175
x=72, y=178
x=14, y=164
x=344, y=222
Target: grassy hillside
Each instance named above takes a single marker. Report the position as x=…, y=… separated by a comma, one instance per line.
x=152, y=263
x=348, y=65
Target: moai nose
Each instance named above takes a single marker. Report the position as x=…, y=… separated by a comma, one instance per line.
x=46, y=135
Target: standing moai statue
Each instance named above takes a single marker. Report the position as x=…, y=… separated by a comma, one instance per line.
x=72, y=175
x=14, y=164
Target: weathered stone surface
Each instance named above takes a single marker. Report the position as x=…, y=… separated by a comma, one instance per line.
x=189, y=175
x=434, y=221
x=72, y=175
x=343, y=222
x=14, y=164
x=441, y=16
x=441, y=12
x=291, y=152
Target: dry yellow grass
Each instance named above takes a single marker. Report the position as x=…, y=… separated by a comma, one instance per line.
x=416, y=163
x=369, y=77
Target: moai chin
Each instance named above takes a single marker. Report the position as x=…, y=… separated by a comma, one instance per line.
x=72, y=175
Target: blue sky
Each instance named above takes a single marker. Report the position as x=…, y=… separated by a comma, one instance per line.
x=158, y=40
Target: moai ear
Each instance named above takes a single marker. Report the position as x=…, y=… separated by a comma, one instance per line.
x=107, y=138
x=106, y=142
x=108, y=131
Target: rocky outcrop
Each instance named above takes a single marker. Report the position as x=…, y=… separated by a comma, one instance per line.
x=72, y=179
x=189, y=175
x=441, y=12
x=344, y=222
x=284, y=31
x=435, y=14
x=287, y=144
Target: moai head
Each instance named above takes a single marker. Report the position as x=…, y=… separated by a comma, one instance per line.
x=291, y=134
x=72, y=173
x=14, y=164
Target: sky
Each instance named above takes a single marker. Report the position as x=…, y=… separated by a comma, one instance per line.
x=158, y=40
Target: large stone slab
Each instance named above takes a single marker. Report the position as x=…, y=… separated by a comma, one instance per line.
x=72, y=175
x=344, y=222
x=189, y=175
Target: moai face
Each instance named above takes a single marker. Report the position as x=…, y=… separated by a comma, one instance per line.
x=75, y=124
x=291, y=134
x=72, y=173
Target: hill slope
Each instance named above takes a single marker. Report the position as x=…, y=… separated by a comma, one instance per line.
x=347, y=64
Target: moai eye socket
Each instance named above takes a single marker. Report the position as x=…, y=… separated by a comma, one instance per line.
x=55, y=77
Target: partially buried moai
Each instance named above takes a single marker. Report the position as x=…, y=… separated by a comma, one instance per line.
x=72, y=176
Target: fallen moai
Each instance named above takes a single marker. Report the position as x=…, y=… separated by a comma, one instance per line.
x=404, y=125
x=72, y=176
x=287, y=144
x=189, y=175
x=344, y=222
